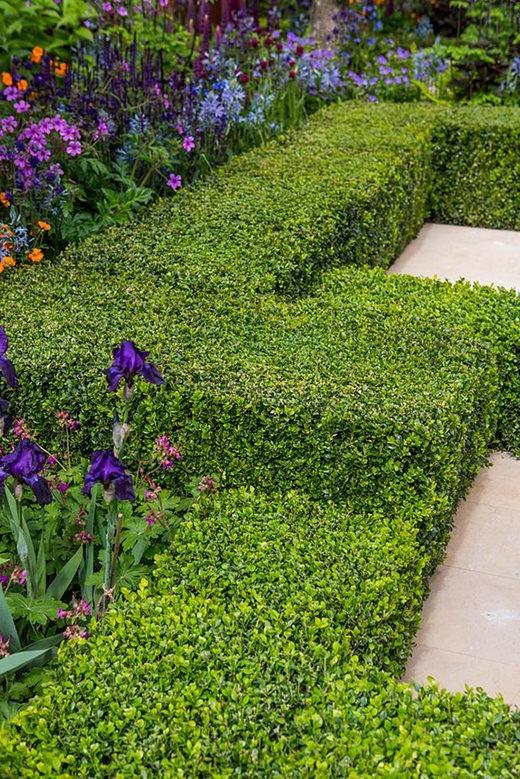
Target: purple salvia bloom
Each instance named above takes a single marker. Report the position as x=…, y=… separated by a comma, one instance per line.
x=6, y=366
x=129, y=361
x=106, y=469
x=24, y=464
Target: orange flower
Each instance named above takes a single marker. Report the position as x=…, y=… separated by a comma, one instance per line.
x=7, y=79
x=9, y=261
x=36, y=54
x=22, y=85
x=45, y=226
x=4, y=200
x=61, y=68
x=35, y=255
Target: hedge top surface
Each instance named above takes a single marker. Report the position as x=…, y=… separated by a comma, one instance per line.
x=258, y=219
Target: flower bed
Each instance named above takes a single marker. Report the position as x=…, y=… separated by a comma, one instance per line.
x=268, y=637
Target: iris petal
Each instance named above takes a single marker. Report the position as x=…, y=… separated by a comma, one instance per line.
x=4, y=341
x=7, y=368
x=40, y=488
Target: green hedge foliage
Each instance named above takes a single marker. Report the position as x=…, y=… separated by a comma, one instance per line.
x=476, y=168
x=248, y=656
x=199, y=283
x=269, y=639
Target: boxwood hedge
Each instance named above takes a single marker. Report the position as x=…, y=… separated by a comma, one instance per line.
x=268, y=641
x=251, y=654
x=476, y=168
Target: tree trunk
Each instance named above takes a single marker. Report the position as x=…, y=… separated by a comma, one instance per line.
x=322, y=18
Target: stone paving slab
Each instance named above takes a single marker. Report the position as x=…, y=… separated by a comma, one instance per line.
x=472, y=253
x=470, y=632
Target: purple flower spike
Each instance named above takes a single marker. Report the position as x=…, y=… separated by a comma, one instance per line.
x=6, y=366
x=24, y=464
x=106, y=469
x=129, y=361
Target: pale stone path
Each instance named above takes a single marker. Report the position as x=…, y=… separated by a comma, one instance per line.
x=471, y=253
x=470, y=633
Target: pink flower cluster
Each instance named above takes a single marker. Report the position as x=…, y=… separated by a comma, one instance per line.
x=168, y=453
x=153, y=517
x=21, y=428
x=16, y=576
x=81, y=609
x=4, y=646
x=66, y=421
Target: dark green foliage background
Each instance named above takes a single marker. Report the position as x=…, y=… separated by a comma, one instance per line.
x=358, y=405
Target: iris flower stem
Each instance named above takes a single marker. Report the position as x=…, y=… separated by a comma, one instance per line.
x=117, y=548
x=24, y=559
x=109, y=544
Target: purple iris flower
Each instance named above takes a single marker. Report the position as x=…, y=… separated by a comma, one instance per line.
x=6, y=366
x=24, y=465
x=5, y=417
x=106, y=469
x=129, y=361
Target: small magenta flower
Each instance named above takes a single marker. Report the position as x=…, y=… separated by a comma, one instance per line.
x=188, y=143
x=106, y=469
x=169, y=453
x=74, y=632
x=207, y=484
x=174, y=181
x=81, y=608
x=5, y=418
x=4, y=646
x=19, y=576
x=83, y=537
x=153, y=517
x=63, y=487
x=6, y=366
x=25, y=464
x=65, y=420
x=129, y=361
x=21, y=429
x=73, y=149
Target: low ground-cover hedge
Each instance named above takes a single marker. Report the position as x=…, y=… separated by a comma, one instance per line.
x=380, y=391
x=248, y=656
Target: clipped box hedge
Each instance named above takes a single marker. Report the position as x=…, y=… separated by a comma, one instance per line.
x=267, y=642
x=250, y=656
x=476, y=168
